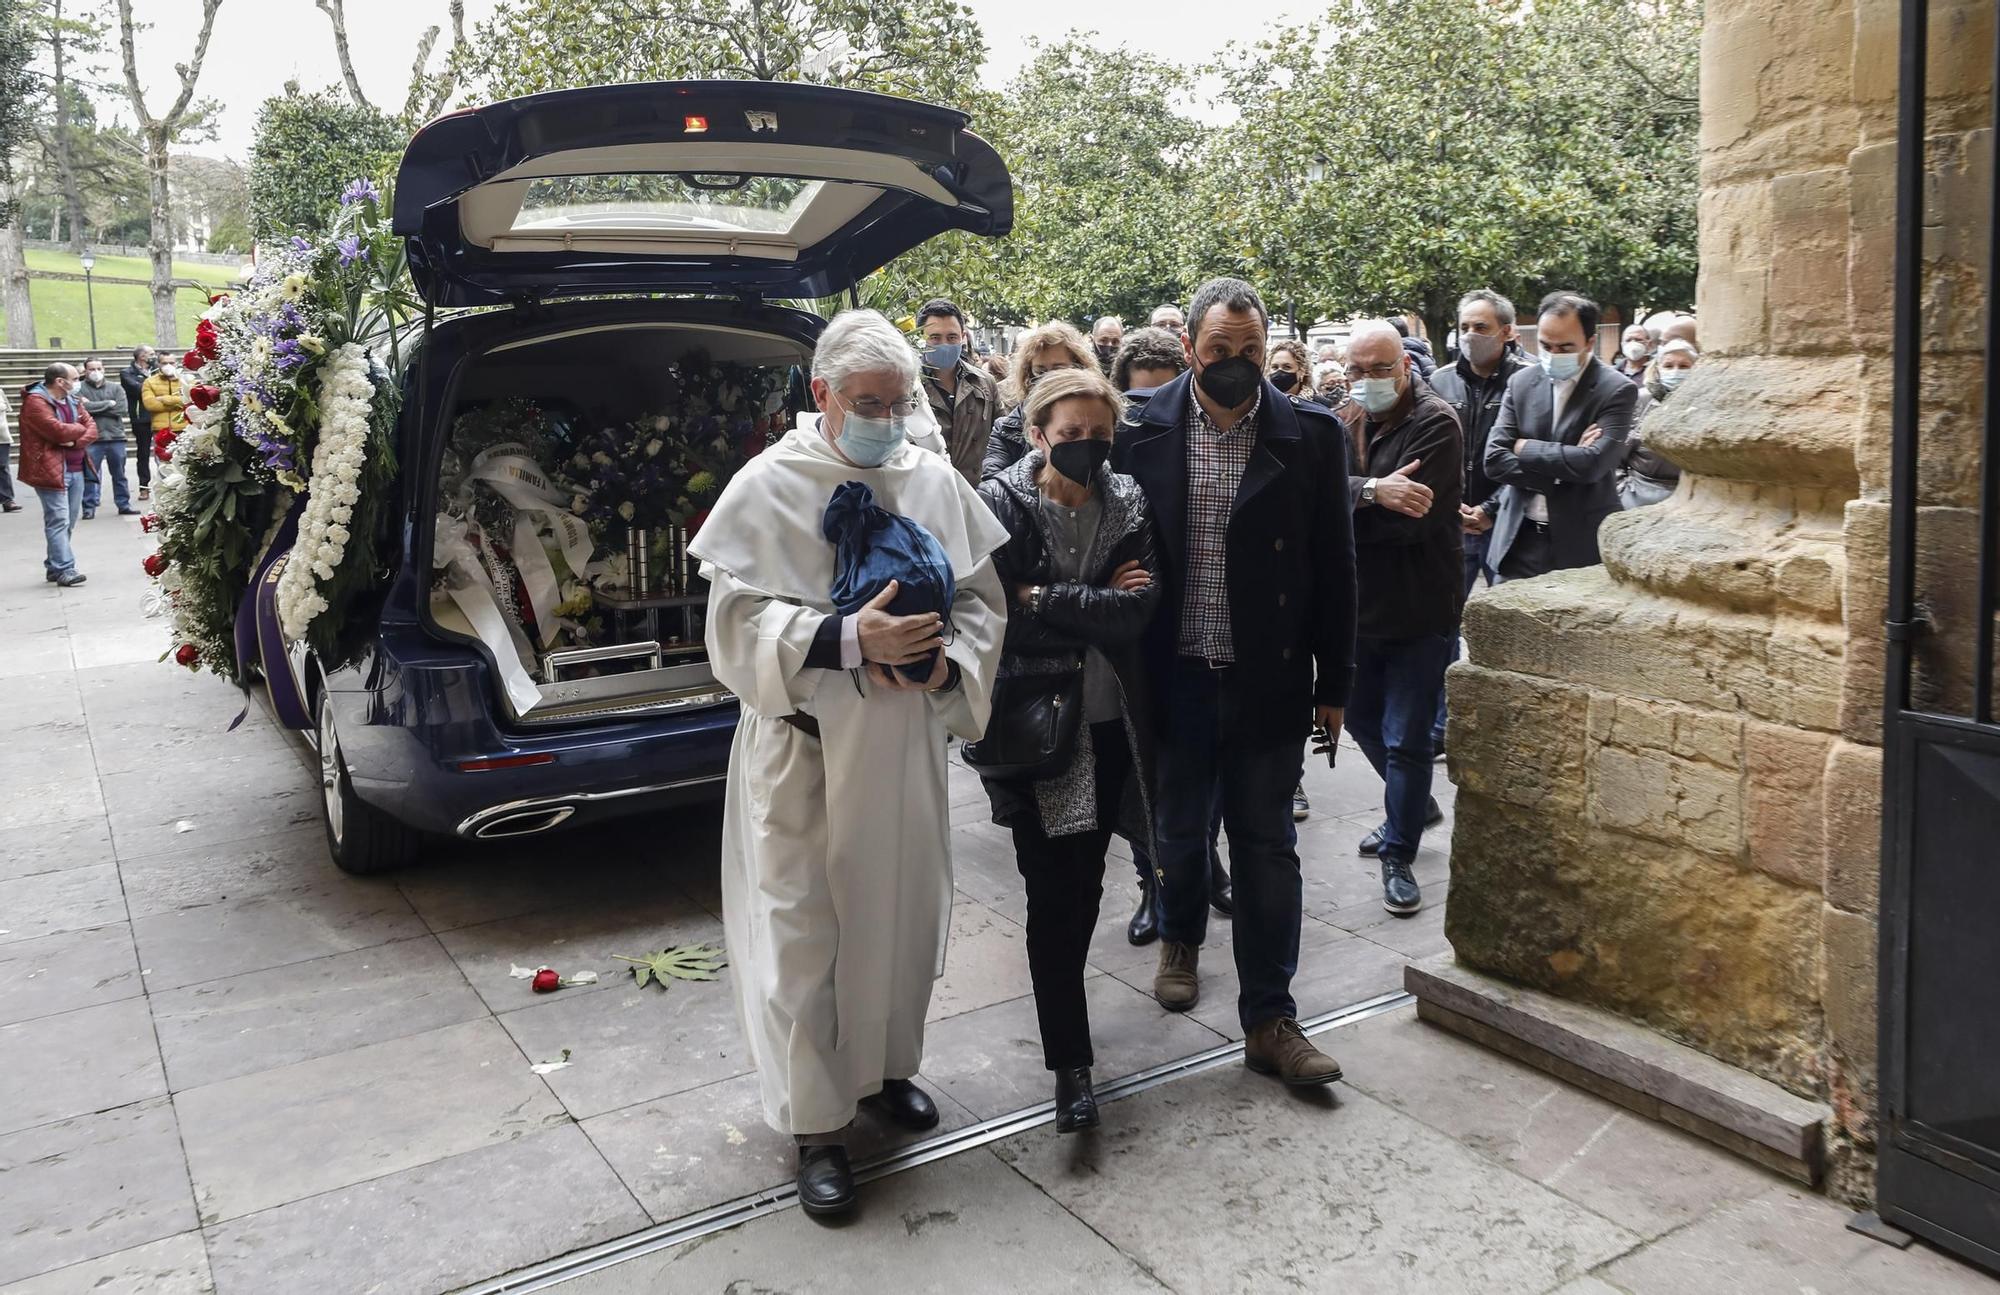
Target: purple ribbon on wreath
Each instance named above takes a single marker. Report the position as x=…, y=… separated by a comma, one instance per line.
x=257, y=623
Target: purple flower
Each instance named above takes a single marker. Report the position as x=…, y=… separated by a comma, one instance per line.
x=300, y=245
x=351, y=250
x=288, y=354
x=360, y=191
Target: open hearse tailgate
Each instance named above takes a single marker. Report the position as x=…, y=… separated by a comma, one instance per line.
x=761, y=188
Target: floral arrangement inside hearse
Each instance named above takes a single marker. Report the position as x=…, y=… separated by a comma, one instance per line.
x=563, y=520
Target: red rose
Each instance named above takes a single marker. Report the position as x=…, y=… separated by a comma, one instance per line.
x=149, y=523
x=164, y=456
x=192, y=360
x=187, y=654
x=154, y=564
x=203, y=397
x=162, y=444
x=547, y=981
x=218, y=299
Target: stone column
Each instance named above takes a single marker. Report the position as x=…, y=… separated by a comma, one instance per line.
x=1669, y=766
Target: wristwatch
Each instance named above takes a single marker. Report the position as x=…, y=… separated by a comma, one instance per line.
x=1368, y=491
x=1035, y=599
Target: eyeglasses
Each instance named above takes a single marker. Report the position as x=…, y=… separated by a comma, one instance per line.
x=1355, y=374
x=873, y=408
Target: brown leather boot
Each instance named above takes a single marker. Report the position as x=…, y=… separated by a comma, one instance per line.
x=1279, y=1047
x=1177, y=985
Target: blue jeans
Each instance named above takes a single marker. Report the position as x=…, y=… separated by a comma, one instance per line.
x=60, y=509
x=1397, y=684
x=6, y=476
x=1206, y=747
x=1476, y=547
x=109, y=458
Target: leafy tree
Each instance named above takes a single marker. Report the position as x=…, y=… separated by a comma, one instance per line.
x=925, y=49
x=307, y=148
x=17, y=50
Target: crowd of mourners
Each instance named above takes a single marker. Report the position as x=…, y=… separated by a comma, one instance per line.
x=1187, y=558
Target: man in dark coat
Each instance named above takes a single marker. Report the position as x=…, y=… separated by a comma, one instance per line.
x=1561, y=434
x=133, y=379
x=1252, y=647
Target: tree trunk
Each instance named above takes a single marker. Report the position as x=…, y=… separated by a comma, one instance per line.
x=72, y=190
x=160, y=242
x=14, y=284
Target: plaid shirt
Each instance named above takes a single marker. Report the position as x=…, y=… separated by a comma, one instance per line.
x=1215, y=463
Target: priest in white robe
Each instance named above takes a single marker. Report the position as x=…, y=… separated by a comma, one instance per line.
x=836, y=869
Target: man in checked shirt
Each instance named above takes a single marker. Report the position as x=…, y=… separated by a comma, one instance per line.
x=1252, y=648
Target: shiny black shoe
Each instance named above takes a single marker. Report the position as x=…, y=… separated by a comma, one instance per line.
x=1076, y=1104
x=1371, y=844
x=1144, y=928
x=1221, y=894
x=905, y=1104
x=826, y=1183
x=1400, y=893
x=1301, y=807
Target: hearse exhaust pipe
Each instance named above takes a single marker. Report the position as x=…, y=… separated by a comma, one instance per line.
x=525, y=822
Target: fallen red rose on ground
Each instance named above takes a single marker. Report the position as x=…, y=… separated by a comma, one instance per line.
x=547, y=981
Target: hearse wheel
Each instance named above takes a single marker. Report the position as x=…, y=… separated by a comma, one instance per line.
x=361, y=838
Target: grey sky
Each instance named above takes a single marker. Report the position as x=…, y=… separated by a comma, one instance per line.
x=260, y=44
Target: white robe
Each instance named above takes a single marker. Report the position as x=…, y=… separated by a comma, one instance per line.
x=836, y=868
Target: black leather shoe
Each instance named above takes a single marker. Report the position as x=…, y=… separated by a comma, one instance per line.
x=1400, y=893
x=905, y=1104
x=1301, y=807
x=1221, y=896
x=1076, y=1104
x=1144, y=928
x=826, y=1183
x=1371, y=844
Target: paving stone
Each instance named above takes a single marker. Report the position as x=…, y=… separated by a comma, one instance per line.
x=434, y=1227
x=1786, y=1239
x=41, y=707
x=46, y=903
x=280, y=1135
x=204, y=875
x=572, y=939
x=630, y=1044
x=985, y=962
x=55, y=846
x=154, y=743
x=477, y=882
x=128, y=642
x=242, y=798
x=1327, y=1190
x=698, y=1149
x=990, y=1060
x=1416, y=937
x=1646, y=1176
x=59, y=973
x=88, y=1187
x=190, y=945
x=1110, y=951
x=965, y=1224
x=982, y=862
x=263, y=1019
x=91, y=1059
x=176, y=1265
x=34, y=651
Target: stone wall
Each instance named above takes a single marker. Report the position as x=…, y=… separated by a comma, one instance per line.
x=1670, y=766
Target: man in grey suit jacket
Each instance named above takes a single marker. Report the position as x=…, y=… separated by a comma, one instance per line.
x=1562, y=432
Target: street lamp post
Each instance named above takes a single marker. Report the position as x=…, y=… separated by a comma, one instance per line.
x=90, y=297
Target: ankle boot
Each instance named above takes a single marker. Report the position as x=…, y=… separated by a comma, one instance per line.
x=1144, y=928
x=1076, y=1104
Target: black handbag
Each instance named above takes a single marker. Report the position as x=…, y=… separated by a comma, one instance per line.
x=1033, y=731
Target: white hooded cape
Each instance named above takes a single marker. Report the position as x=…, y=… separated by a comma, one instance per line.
x=836, y=871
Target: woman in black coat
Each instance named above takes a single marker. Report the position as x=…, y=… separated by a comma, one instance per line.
x=1078, y=569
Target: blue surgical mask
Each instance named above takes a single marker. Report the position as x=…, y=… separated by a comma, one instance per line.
x=1377, y=395
x=1671, y=378
x=943, y=357
x=869, y=441
x=1561, y=367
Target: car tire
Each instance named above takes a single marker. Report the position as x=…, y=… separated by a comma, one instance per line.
x=362, y=839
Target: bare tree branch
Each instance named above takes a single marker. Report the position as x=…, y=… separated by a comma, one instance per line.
x=132, y=89
x=336, y=11
x=414, y=101
x=190, y=71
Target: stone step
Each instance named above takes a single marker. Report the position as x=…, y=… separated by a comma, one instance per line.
x=1627, y=1063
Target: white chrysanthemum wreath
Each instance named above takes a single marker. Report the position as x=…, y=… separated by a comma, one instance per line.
x=346, y=395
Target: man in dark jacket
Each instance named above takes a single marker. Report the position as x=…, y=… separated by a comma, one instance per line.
x=961, y=393
x=106, y=406
x=1253, y=645
x=1557, y=444
x=1406, y=483
x=55, y=439
x=133, y=379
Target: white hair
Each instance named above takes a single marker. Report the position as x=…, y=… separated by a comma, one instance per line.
x=1679, y=346
x=863, y=341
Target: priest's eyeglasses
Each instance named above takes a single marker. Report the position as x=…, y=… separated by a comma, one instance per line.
x=873, y=408
x=1355, y=372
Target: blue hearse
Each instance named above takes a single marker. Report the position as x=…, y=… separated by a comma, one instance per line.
x=573, y=245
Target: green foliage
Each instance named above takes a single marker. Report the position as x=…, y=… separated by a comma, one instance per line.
x=17, y=87
x=925, y=49
x=307, y=148
x=124, y=310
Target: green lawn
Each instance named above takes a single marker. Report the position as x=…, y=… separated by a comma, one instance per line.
x=124, y=312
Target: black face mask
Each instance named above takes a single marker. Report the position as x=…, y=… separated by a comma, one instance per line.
x=1079, y=460
x=1107, y=352
x=1230, y=382
x=1284, y=379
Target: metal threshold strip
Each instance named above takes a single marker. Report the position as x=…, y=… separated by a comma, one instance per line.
x=743, y=1209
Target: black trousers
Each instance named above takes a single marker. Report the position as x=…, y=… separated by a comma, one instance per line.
x=1065, y=876
x=1529, y=554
